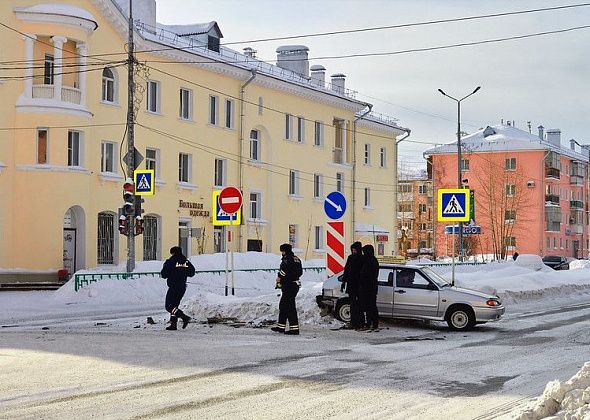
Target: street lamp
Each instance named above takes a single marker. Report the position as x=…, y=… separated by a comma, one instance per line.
x=459, y=177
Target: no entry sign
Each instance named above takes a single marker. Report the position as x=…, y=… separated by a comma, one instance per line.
x=230, y=200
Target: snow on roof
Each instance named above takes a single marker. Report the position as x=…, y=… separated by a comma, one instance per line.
x=503, y=138
x=193, y=29
x=59, y=9
x=367, y=228
x=291, y=48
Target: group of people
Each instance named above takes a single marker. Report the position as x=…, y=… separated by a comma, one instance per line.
x=360, y=280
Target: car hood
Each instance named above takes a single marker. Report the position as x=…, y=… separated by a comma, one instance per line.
x=471, y=292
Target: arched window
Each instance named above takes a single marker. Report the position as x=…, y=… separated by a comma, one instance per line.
x=106, y=238
x=108, y=85
x=255, y=145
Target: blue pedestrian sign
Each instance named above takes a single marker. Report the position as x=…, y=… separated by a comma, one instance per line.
x=335, y=205
x=143, y=180
x=453, y=205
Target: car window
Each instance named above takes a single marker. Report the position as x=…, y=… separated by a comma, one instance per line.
x=385, y=277
x=410, y=278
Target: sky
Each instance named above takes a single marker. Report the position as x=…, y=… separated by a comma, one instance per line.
x=543, y=80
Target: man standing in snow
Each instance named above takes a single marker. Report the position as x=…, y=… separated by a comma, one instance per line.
x=369, y=286
x=176, y=269
x=351, y=281
x=288, y=282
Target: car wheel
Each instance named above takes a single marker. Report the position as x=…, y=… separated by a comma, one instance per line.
x=461, y=318
x=343, y=310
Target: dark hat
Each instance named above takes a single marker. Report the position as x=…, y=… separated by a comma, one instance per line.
x=286, y=248
x=176, y=250
x=369, y=250
x=356, y=245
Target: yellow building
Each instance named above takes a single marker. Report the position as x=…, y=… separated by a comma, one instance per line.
x=206, y=117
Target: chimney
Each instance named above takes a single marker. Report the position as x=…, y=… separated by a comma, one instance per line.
x=338, y=83
x=554, y=136
x=573, y=144
x=143, y=10
x=250, y=52
x=294, y=58
x=541, y=135
x=508, y=123
x=318, y=75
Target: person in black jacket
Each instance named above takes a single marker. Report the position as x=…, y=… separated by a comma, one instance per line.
x=176, y=269
x=369, y=286
x=288, y=281
x=351, y=281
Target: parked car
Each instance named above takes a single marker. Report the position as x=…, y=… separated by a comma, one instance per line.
x=557, y=262
x=416, y=292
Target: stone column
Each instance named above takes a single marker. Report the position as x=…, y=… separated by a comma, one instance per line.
x=58, y=44
x=82, y=52
x=29, y=48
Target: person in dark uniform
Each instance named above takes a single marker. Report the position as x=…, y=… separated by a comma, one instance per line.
x=288, y=281
x=351, y=281
x=176, y=269
x=369, y=287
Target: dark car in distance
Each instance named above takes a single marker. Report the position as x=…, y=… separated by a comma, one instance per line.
x=557, y=262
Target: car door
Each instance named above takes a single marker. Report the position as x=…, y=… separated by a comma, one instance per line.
x=385, y=291
x=414, y=294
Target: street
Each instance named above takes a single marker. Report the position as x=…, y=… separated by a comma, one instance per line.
x=98, y=365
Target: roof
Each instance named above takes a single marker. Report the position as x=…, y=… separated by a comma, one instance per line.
x=193, y=29
x=504, y=139
x=60, y=10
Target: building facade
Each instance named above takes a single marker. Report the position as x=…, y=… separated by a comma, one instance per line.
x=415, y=217
x=531, y=193
x=206, y=117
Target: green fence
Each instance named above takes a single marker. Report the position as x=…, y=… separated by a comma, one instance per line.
x=85, y=279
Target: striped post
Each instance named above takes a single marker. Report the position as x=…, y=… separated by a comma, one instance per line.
x=335, y=242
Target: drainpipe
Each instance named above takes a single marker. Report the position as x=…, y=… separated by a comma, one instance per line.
x=395, y=187
x=353, y=201
x=241, y=151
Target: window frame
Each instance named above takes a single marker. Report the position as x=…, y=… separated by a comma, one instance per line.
x=508, y=164
x=255, y=205
x=220, y=172
x=78, y=150
x=318, y=136
x=367, y=154
x=213, y=118
x=156, y=161
x=182, y=165
x=46, y=146
x=293, y=183
x=382, y=157
x=103, y=157
x=229, y=118
x=255, y=142
x=300, y=129
x=289, y=127
x=318, y=183
x=318, y=238
x=109, y=82
x=367, y=197
x=464, y=165
x=340, y=182
x=151, y=85
x=188, y=116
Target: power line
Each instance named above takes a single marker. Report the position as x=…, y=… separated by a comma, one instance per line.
x=41, y=76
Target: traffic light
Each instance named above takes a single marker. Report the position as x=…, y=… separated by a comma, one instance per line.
x=129, y=198
x=139, y=225
x=123, y=225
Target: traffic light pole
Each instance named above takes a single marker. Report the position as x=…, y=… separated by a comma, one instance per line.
x=130, y=142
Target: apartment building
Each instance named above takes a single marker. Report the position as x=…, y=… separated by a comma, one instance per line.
x=206, y=117
x=415, y=217
x=531, y=192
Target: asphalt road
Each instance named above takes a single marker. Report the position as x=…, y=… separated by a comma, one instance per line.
x=116, y=366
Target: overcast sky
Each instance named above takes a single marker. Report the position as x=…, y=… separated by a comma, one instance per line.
x=545, y=80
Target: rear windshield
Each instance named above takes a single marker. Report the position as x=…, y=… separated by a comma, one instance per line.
x=551, y=259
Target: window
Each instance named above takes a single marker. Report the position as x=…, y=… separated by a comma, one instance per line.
x=410, y=278
x=404, y=188
x=318, y=138
x=510, y=164
x=340, y=182
x=509, y=241
x=300, y=129
x=49, y=70
x=260, y=105
x=339, y=151
x=220, y=176
x=107, y=157
x=548, y=243
x=317, y=185
x=554, y=242
x=464, y=164
x=108, y=85
x=382, y=158
x=153, y=96
x=423, y=226
x=293, y=182
x=213, y=110
x=184, y=167
x=405, y=208
x=213, y=43
x=151, y=161
x=367, y=197
x=422, y=208
x=509, y=215
x=73, y=148
x=255, y=206
x=422, y=189
x=293, y=239
x=255, y=145
x=510, y=190
x=42, y=135
x=319, y=238
x=367, y=154
x=106, y=238
x=229, y=113
x=150, y=238
x=288, y=126
x=186, y=104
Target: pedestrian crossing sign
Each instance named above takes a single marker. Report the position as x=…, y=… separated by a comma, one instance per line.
x=453, y=205
x=143, y=180
x=221, y=218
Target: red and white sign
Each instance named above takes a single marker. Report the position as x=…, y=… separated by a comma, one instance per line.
x=335, y=242
x=230, y=200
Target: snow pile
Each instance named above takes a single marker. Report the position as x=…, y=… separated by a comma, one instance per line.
x=568, y=400
x=578, y=264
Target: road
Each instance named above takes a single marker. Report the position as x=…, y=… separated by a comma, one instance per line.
x=115, y=366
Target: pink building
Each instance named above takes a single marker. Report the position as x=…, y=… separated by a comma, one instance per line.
x=531, y=194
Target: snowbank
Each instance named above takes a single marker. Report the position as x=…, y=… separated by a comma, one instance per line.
x=568, y=400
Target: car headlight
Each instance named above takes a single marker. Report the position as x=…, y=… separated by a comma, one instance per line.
x=492, y=302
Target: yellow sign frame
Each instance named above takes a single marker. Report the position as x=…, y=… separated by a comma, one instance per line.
x=236, y=218
x=456, y=191
x=137, y=173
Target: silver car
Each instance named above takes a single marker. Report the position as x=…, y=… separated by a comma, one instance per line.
x=416, y=292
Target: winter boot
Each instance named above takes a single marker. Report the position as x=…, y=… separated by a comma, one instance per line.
x=280, y=328
x=185, y=318
x=173, y=322
x=293, y=330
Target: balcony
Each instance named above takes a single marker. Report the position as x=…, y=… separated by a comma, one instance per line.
x=576, y=204
x=576, y=180
x=338, y=156
x=68, y=94
x=553, y=173
x=551, y=200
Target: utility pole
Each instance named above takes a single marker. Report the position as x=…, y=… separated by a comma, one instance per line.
x=130, y=143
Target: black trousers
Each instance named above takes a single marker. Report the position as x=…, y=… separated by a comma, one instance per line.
x=173, y=297
x=287, y=308
x=356, y=315
x=369, y=307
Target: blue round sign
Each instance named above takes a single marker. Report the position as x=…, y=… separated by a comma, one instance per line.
x=335, y=205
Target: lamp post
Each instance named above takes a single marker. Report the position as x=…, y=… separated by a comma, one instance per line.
x=459, y=177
